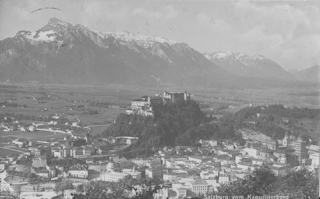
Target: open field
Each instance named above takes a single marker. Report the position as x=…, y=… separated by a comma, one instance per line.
x=5, y=152
x=105, y=115
x=4, y=140
x=37, y=135
x=98, y=129
x=62, y=99
x=62, y=95
x=305, y=97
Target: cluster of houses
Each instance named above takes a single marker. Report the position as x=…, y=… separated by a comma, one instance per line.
x=16, y=126
x=54, y=125
x=110, y=175
x=143, y=106
x=81, y=148
x=190, y=171
x=196, y=174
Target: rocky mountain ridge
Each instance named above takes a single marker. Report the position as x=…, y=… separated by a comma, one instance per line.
x=243, y=65
x=62, y=53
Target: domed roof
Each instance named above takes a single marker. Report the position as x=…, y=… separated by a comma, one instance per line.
x=110, y=166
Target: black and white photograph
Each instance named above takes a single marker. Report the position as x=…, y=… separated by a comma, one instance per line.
x=159, y=99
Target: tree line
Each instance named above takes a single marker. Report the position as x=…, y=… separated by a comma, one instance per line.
x=142, y=189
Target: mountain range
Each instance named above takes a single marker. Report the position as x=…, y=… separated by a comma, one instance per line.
x=311, y=74
x=62, y=53
x=248, y=66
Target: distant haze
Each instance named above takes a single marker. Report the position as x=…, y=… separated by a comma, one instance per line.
x=286, y=32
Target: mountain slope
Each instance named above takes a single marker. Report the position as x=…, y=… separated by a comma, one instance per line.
x=311, y=74
x=248, y=66
x=62, y=53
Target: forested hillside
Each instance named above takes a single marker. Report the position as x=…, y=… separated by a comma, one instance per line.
x=273, y=120
x=180, y=123
x=278, y=110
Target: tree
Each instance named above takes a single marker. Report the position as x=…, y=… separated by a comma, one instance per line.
x=63, y=185
x=127, y=165
x=263, y=182
x=25, y=175
x=80, y=188
x=18, y=190
x=121, y=189
x=172, y=123
x=296, y=184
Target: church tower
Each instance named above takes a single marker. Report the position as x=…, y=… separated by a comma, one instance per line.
x=88, y=138
x=286, y=139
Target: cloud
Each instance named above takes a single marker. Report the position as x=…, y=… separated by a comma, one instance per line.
x=97, y=10
x=202, y=18
x=283, y=19
x=166, y=12
x=212, y=24
x=286, y=32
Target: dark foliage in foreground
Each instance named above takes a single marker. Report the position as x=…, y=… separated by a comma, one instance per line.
x=263, y=182
x=121, y=189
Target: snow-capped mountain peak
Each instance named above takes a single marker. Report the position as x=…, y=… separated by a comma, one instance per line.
x=125, y=36
x=57, y=29
x=260, y=57
x=54, y=22
x=45, y=36
x=38, y=36
x=246, y=65
x=56, y=25
x=61, y=52
x=224, y=55
x=227, y=55
x=221, y=55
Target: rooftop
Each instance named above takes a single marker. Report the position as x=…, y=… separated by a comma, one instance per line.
x=280, y=151
x=258, y=160
x=139, y=100
x=265, y=150
x=196, y=157
x=199, y=182
x=247, y=164
x=222, y=157
x=279, y=168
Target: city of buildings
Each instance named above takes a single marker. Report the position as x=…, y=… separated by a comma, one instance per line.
x=187, y=170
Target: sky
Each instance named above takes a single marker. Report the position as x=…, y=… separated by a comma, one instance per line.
x=287, y=32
